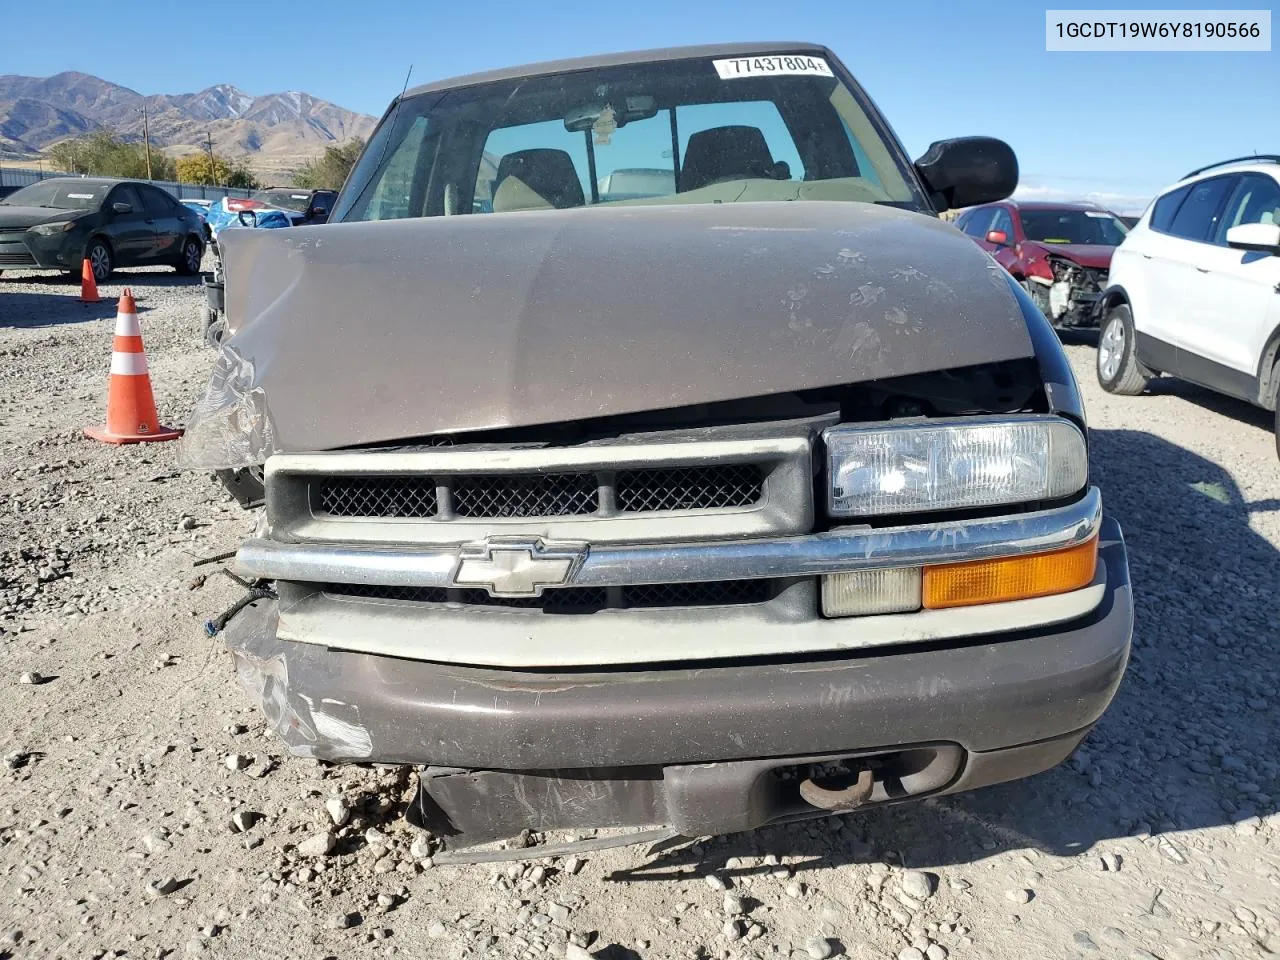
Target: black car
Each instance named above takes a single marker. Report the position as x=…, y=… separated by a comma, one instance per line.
x=56, y=224
x=313, y=206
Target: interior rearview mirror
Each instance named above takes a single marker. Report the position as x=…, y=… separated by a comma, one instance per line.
x=967, y=171
x=1259, y=237
x=122, y=208
x=998, y=237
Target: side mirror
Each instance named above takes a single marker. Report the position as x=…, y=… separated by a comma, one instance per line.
x=968, y=171
x=122, y=208
x=1259, y=237
x=247, y=218
x=998, y=237
x=318, y=212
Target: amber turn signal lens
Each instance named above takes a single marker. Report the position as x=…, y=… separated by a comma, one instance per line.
x=1009, y=578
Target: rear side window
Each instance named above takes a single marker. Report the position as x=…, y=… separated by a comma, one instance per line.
x=1166, y=207
x=1197, y=218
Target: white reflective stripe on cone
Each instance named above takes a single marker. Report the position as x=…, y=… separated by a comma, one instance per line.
x=129, y=364
x=127, y=325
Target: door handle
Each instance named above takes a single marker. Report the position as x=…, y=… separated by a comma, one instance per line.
x=1202, y=269
x=1146, y=256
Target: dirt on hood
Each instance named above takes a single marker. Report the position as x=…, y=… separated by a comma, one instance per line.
x=369, y=332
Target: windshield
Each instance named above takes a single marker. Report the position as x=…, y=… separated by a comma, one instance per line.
x=286, y=198
x=1073, y=226
x=669, y=132
x=59, y=194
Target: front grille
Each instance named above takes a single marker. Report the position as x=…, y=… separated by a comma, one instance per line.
x=482, y=496
x=689, y=488
x=578, y=599
x=17, y=260
x=378, y=497
x=527, y=495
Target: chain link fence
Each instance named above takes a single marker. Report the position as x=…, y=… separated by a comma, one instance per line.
x=12, y=178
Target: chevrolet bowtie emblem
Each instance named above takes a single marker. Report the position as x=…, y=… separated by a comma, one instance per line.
x=517, y=567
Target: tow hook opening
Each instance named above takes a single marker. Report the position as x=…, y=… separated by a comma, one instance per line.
x=841, y=784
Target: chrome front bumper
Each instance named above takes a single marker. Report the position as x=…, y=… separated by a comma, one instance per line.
x=838, y=551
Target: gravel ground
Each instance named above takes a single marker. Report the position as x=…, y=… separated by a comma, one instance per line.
x=145, y=813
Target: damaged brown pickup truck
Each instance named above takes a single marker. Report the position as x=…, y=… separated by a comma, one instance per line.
x=746, y=493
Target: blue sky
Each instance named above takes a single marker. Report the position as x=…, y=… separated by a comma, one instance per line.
x=1114, y=126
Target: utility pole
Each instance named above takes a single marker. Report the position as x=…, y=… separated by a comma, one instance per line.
x=146, y=139
x=213, y=168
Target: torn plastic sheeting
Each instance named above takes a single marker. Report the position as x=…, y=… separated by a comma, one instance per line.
x=327, y=729
x=231, y=425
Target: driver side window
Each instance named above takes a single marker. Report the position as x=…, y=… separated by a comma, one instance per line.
x=979, y=223
x=125, y=193
x=1256, y=199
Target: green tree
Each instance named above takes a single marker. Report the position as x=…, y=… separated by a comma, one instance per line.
x=242, y=177
x=330, y=171
x=104, y=153
x=215, y=172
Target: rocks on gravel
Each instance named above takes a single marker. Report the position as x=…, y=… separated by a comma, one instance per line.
x=1019, y=895
x=31, y=678
x=162, y=887
x=819, y=948
x=918, y=884
x=318, y=845
x=338, y=811
x=715, y=882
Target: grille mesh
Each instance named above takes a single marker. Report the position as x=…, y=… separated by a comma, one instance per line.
x=526, y=495
x=713, y=594
x=543, y=495
x=378, y=497
x=689, y=488
x=582, y=599
x=17, y=260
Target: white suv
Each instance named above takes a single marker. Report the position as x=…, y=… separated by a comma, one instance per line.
x=1195, y=288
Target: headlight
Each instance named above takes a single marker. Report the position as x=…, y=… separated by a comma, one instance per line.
x=963, y=463
x=51, y=229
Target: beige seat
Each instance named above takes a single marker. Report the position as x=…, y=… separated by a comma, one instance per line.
x=537, y=179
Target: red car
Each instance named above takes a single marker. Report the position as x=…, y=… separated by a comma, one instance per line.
x=1059, y=252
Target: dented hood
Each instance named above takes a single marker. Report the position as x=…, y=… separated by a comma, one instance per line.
x=366, y=332
x=1093, y=255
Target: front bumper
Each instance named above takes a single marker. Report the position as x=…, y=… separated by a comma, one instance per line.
x=59, y=251
x=696, y=748
x=14, y=252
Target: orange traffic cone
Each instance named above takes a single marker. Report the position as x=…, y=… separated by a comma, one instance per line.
x=88, y=285
x=131, y=409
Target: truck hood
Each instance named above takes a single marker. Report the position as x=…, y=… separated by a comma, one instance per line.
x=371, y=332
x=14, y=216
x=1092, y=255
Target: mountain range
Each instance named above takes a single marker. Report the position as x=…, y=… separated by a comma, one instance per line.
x=269, y=130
